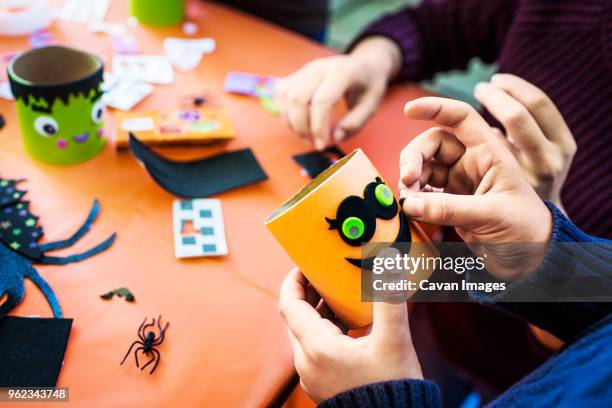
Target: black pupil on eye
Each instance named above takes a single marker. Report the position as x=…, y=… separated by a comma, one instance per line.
x=99, y=113
x=354, y=231
x=49, y=129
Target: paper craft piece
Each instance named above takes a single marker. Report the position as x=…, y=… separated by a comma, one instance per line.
x=270, y=106
x=324, y=225
x=190, y=126
x=185, y=55
x=147, y=342
x=59, y=107
x=20, y=248
x=124, y=95
x=126, y=45
x=41, y=38
x=121, y=292
x=190, y=28
x=155, y=69
x=250, y=84
x=32, y=350
x=203, y=177
x=112, y=29
x=198, y=228
x=5, y=91
x=314, y=163
x=84, y=11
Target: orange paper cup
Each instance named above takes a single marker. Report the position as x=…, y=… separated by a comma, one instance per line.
x=324, y=225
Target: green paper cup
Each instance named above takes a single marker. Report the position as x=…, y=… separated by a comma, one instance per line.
x=158, y=12
x=59, y=103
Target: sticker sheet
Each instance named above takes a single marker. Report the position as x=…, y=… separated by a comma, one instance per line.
x=198, y=228
x=178, y=127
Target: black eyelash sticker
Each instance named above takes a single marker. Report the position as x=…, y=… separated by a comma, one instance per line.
x=333, y=223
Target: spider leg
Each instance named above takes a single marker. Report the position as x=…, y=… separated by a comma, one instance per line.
x=60, y=260
x=156, y=361
x=136, y=355
x=93, y=214
x=151, y=360
x=146, y=326
x=140, y=331
x=160, y=339
x=128, y=352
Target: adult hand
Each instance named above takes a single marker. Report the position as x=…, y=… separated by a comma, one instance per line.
x=536, y=133
x=330, y=362
x=308, y=96
x=486, y=196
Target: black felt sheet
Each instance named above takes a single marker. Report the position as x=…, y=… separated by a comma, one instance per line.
x=32, y=350
x=202, y=177
x=316, y=162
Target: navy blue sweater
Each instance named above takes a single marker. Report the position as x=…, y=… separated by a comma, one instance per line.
x=579, y=376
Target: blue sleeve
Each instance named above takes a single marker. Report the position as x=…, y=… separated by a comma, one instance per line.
x=389, y=394
x=575, y=275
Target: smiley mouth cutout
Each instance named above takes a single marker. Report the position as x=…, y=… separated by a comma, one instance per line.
x=81, y=138
x=402, y=243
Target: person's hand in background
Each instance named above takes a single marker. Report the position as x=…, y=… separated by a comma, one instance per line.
x=536, y=132
x=307, y=97
x=330, y=362
x=486, y=196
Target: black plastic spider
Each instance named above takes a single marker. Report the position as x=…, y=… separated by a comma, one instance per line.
x=147, y=342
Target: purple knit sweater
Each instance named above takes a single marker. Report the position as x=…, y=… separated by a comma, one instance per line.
x=562, y=46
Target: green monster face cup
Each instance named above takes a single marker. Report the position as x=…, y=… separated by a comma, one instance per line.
x=58, y=99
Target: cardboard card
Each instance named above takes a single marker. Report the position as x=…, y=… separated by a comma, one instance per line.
x=198, y=228
x=155, y=69
x=250, y=84
x=84, y=11
x=190, y=126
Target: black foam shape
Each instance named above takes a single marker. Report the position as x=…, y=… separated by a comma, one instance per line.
x=32, y=350
x=316, y=162
x=201, y=177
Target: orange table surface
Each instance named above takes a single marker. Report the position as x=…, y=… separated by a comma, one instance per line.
x=226, y=344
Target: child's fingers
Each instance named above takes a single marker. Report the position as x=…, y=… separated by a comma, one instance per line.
x=461, y=118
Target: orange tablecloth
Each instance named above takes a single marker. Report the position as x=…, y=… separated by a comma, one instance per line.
x=226, y=345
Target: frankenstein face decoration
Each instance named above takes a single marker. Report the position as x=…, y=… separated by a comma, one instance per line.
x=356, y=218
x=324, y=225
x=58, y=98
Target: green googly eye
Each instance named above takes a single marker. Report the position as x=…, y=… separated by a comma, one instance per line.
x=353, y=228
x=383, y=195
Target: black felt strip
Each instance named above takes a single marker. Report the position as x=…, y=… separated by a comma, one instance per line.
x=202, y=177
x=32, y=350
x=316, y=162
